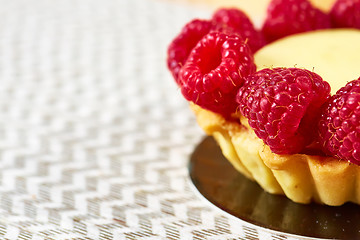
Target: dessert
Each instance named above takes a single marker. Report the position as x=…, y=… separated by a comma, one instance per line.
x=281, y=124
x=305, y=176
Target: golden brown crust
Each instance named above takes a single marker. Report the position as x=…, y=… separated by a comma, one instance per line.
x=302, y=178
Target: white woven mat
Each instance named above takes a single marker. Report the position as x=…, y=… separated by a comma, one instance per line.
x=94, y=135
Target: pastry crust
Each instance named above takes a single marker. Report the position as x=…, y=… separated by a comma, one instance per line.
x=302, y=178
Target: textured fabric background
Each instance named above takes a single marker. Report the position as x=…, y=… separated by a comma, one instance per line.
x=94, y=135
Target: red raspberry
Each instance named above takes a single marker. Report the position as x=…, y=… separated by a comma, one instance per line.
x=282, y=105
x=339, y=124
x=240, y=24
x=214, y=71
x=346, y=13
x=286, y=17
x=181, y=46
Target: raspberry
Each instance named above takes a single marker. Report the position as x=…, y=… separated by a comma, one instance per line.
x=282, y=105
x=181, y=46
x=240, y=24
x=214, y=71
x=339, y=124
x=286, y=17
x=346, y=13
x=229, y=21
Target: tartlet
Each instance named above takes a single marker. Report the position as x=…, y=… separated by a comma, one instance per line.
x=306, y=176
x=301, y=177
